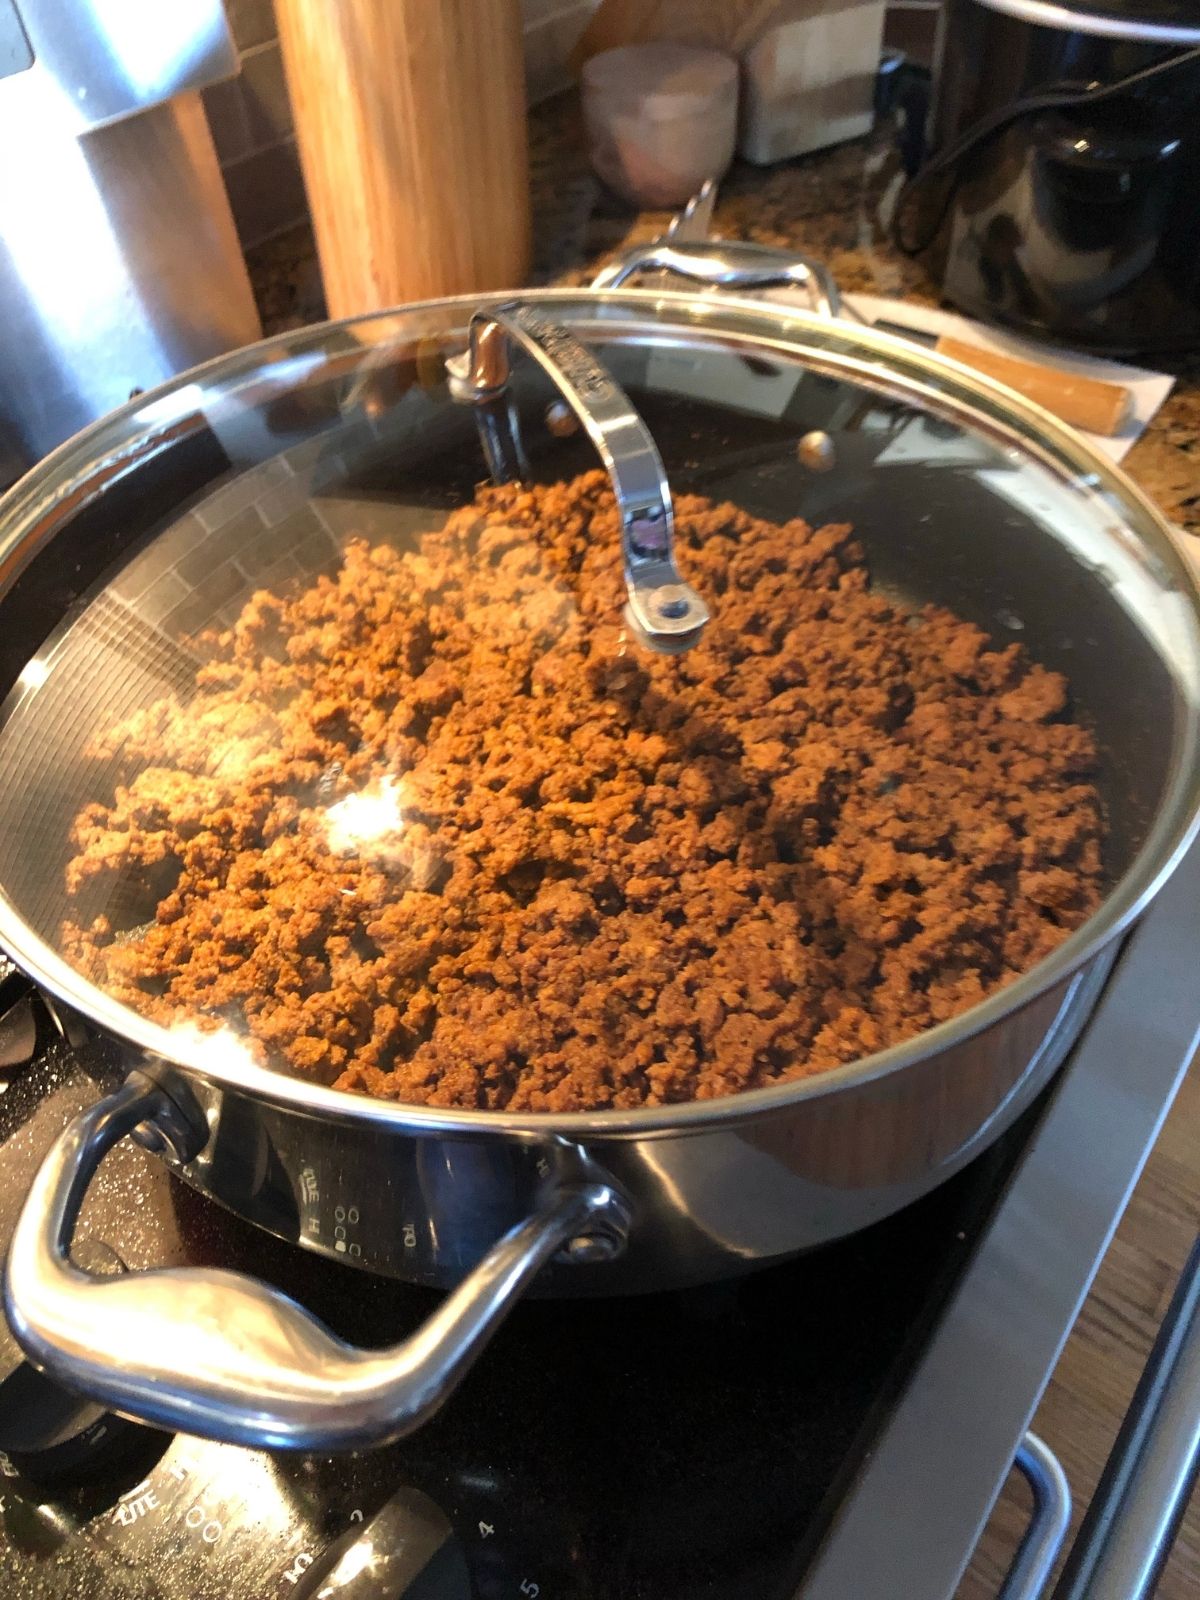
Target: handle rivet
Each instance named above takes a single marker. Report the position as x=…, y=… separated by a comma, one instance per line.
x=151, y=1138
x=816, y=451
x=589, y=1249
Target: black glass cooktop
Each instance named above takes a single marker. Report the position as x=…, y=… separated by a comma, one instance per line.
x=684, y=1446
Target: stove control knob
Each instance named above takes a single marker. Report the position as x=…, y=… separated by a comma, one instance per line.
x=407, y=1551
x=18, y=1024
x=48, y=1434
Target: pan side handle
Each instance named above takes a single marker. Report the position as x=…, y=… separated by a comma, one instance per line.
x=215, y=1353
x=727, y=264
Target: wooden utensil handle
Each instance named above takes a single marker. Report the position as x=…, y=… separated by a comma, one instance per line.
x=1091, y=403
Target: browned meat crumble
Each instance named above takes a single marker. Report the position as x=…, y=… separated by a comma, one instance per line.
x=599, y=877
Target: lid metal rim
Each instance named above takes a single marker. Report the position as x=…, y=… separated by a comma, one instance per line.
x=1098, y=24
x=998, y=411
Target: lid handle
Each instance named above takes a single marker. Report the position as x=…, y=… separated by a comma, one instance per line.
x=663, y=610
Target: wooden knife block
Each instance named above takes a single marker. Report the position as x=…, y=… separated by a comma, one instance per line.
x=410, y=120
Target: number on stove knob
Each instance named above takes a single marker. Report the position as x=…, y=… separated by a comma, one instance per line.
x=406, y=1551
x=298, y=1567
x=529, y=1589
x=198, y=1517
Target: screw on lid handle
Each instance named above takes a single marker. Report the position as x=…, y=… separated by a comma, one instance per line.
x=664, y=610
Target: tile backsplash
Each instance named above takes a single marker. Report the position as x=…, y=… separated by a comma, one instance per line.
x=251, y=118
x=251, y=121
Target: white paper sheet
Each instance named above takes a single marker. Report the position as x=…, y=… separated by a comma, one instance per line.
x=1149, y=389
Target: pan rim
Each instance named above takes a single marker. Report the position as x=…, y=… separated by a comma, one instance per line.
x=864, y=355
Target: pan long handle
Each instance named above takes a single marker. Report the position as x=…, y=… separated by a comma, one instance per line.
x=215, y=1353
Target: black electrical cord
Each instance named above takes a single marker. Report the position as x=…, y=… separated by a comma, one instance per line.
x=1059, y=99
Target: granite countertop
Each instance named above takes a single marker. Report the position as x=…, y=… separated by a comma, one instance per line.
x=827, y=204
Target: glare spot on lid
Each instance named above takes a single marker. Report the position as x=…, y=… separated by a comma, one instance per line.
x=34, y=674
x=219, y=1047
x=361, y=1557
x=365, y=817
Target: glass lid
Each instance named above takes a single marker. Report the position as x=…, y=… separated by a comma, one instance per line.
x=610, y=701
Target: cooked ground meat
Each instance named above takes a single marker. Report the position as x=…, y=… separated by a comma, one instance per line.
x=435, y=830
